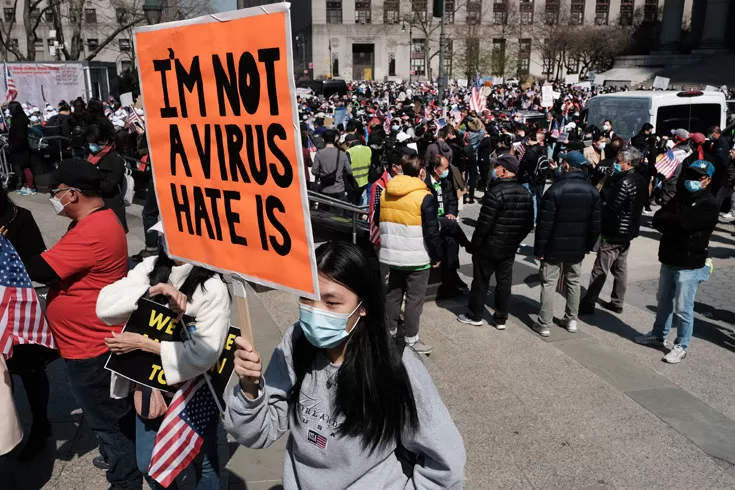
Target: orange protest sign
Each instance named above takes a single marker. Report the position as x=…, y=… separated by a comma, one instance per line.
x=225, y=145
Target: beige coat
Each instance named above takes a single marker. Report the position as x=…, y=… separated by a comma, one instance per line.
x=591, y=155
x=10, y=432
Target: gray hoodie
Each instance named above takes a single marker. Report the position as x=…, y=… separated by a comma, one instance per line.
x=318, y=457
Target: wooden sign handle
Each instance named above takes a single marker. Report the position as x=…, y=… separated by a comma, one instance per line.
x=242, y=310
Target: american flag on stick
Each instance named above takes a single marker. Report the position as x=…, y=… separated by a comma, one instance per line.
x=666, y=164
x=191, y=415
x=11, y=91
x=21, y=318
x=133, y=118
x=387, y=122
x=477, y=101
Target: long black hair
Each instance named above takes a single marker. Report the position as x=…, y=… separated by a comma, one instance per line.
x=17, y=114
x=374, y=393
x=162, y=270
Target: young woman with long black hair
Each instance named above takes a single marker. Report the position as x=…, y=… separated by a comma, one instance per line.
x=359, y=413
x=190, y=290
x=20, y=149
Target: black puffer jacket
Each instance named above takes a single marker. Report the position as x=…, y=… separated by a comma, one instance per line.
x=686, y=223
x=624, y=197
x=533, y=165
x=568, y=224
x=506, y=217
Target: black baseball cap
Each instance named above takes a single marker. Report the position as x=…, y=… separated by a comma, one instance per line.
x=508, y=162
x=78, y=173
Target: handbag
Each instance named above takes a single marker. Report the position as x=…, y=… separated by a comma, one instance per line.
x=329, y=179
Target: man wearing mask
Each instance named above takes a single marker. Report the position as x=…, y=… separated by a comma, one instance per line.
x=686, y=223
x=440, y=183
x=506, y=217
x=568, y=228
x=623, y=197
x=410, y=246
x=91, y=255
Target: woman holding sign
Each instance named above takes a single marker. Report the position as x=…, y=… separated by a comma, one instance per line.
x=196, y=292
x=360, y=412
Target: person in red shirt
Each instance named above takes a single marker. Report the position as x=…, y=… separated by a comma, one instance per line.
x=91, y=255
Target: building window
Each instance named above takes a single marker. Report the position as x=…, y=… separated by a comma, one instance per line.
x=449, y=9
x=472, y=55
x=49, y=16
x=573, y=63
x=650, y=11
x=602, y=12
x=498, y=56
x=418, y=7
x=38, y=44
x=576, y=17
x=391, y=65
x=524, y=57
x=500, y=12
x=34, y=14
x=124, y=44
x=335, y=67
x=474, y=12
x=552, y=12
x=126, y=65
x=448, y=57
x=626, y=12
x=526, y=11
x=362, y=12
x=90, y=16
x=418, y=57
x=9, y=14
x=547, y=60
x=334, y=12
x=121, y=15
x=50, y=42
x=92, y=44
x=391, y=11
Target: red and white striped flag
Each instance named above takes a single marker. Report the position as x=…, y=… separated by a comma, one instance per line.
x=11, y=91
x=133, y=118
x=191, y=415
x=666, y=164
x=477, y=101
x=21, y=318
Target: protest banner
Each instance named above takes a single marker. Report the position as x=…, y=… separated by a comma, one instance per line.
x=547, y=95
x=225, y=145
x=661, y=82
x=162, y=324
x=126, y=99
x=571, y=78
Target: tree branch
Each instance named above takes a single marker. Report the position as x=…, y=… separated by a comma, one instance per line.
x=112, y=36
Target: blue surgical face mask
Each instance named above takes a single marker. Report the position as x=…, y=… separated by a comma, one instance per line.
x=444, y=174
x=617, y=167
x=692, y=185
x=94, y=148
x=494, y=175
x=325, y=329
x=395, y=128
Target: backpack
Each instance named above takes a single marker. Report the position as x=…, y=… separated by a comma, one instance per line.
x=318, y=141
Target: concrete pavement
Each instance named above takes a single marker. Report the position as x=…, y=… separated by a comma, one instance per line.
x=591, y=410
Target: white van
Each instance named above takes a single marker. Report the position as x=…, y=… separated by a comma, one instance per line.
x=695, y=111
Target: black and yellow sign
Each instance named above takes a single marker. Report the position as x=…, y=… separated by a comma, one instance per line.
x=161, y=324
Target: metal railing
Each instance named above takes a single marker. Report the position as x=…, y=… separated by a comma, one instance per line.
x=330, y=201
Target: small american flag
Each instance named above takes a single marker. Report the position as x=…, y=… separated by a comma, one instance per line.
x=520, y=149
x=192, y=413
x=11, y=91
x=387, y=122
x=666, y=164
x=22, y=320
x=133, y=118
x=477, y=101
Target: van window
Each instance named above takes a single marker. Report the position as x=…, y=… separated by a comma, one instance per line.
x=695, y=118
x=626, y=114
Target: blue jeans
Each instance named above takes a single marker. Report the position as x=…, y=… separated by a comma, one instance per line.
x=677, y=289
x=537, y=193
x=111, y=420
x=206, y=464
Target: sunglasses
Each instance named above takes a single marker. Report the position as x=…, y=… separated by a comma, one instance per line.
x=53, y=192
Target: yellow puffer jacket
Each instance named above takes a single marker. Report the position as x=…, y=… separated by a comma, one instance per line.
x=401, y=232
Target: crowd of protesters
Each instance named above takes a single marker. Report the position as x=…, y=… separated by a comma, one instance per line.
x=346, y=379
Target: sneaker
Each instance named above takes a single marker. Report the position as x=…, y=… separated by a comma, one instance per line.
x=675, y=355
x=541, y=330
x=21, y=190
x=650, y=339
x=99, y=462
x=499, y=324
x=421, y=348
x=727, y=217
x=648, y=212
x=469, y=321
x=27, y=191
x=586, y=308
x=570, y=325
x=609, y=306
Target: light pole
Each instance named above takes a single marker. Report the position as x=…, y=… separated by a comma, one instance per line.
x=441, y=82
x=153, y=10
x=410, y=46
x=301, y=44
